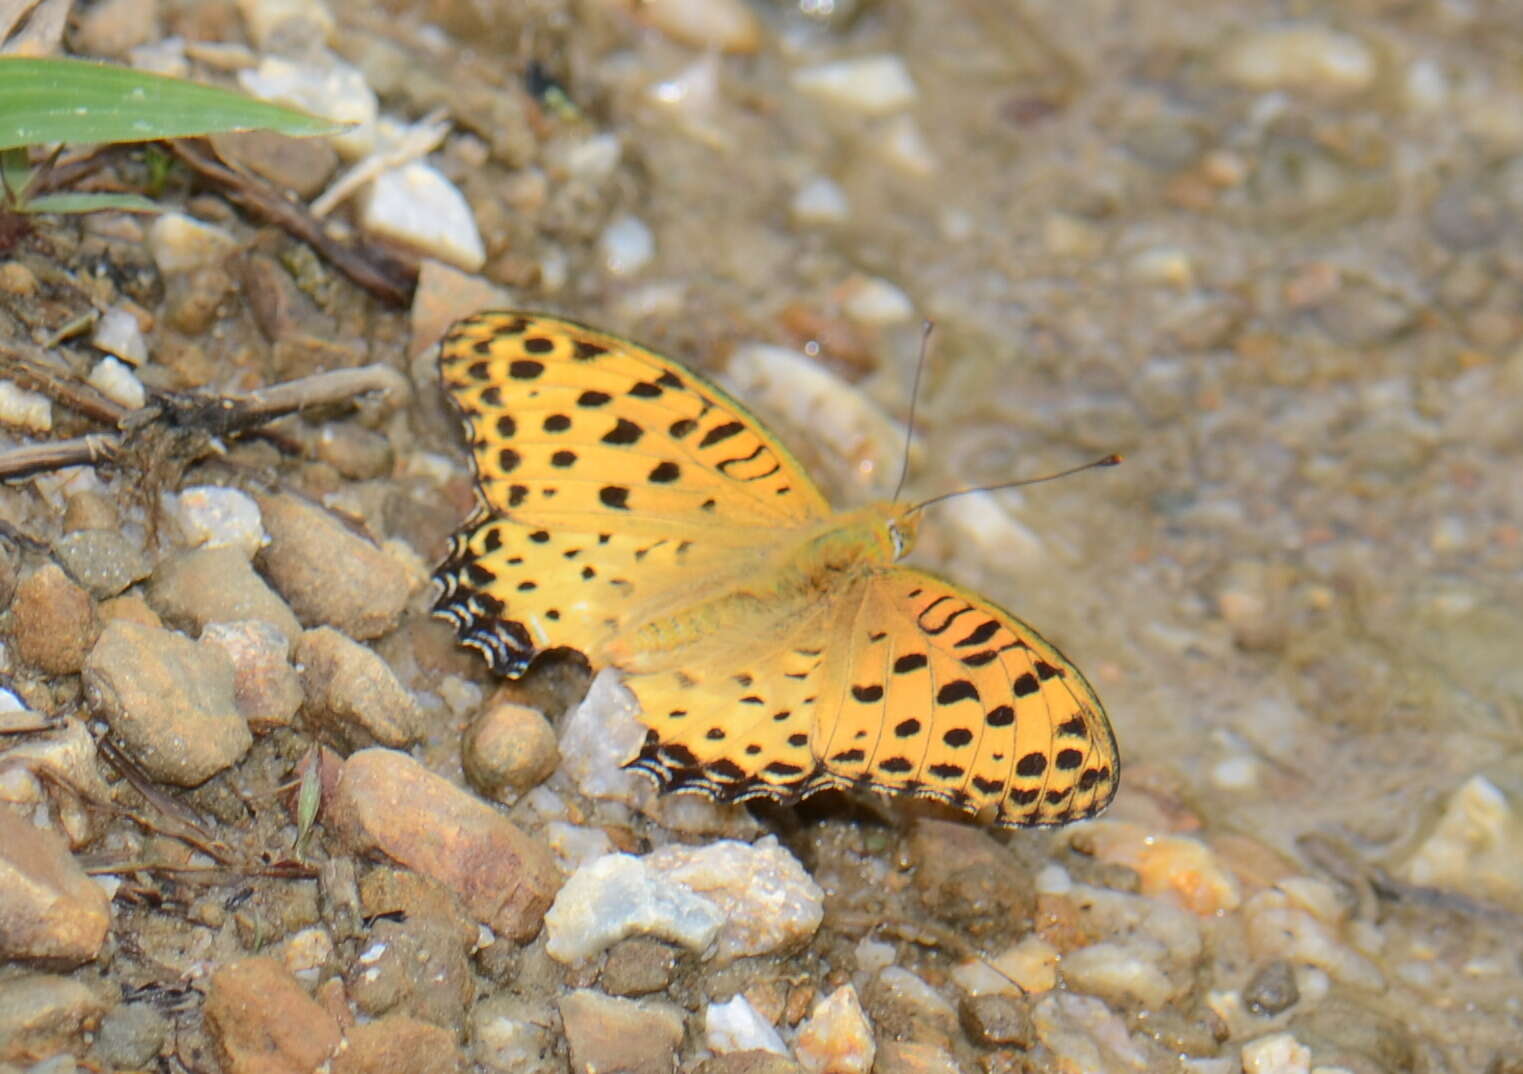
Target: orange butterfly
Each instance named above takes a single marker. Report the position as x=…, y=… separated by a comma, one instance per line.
x=631, y=510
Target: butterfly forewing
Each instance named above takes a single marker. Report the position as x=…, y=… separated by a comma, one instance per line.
x=577, y=429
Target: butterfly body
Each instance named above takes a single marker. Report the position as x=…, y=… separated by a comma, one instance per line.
x=634, y=512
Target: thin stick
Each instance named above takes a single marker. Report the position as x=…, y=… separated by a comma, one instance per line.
x=379, y=274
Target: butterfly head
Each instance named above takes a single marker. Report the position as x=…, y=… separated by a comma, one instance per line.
x=902, y=527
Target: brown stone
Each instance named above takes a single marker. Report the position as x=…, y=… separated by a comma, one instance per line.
x=42, y=1016
x=53, y=622
x=262, y=1022
x=389, y=804
x=626, y=1035
x=352, y=695
x=398, y=1044
x=331, y=575
x=51, y=913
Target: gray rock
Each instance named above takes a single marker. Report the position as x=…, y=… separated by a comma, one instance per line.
x=217, y=585
x=352, y=695
x=103, y=561
x=130, y=1036
x=170, y=701
x=331, y=575
x=43, y=1015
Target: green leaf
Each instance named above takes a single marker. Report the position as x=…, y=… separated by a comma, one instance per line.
x=89, y=203
x=44, y=101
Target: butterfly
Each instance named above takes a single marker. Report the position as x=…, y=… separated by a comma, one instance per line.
x=630, y=509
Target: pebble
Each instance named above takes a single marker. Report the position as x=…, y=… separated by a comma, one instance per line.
x=818, y=202
x=443, y=296
x=507, y=750
x=638, y=966
x=117, y=382
x=352, y=696
x=416, y=961
x=1278, y=929
x=719, y=25
x=914, y=1057
x=1272, y=989
x=1121, y=973
x=575, y=845
x=260, y=1019
x=16, y=279
x=130, y=1036
x=302, y=166
x=511, y=1035
x=51, y=912
x=626, y=246
x=1278, y=1053
x=168, y=700
x=398, y=1044
x=901, y=143
x=42, y=1015
x=966, y=876
x=266, y=688
x=997, y=1019
x=29, y=411
x=217, y=585
x=878, y=85
x=332, y=89
x=1475, y=847
x=357, y=453
x=598, y=736
x=1303, y=57
x=105, y=562
x=65, y=759
x=1185, y=870
x=114, y=27
x=735, y=1026
x=387, y=803
x=280, y=26
x=330, y=575
x=117, y=332
x=1082, y=1033
x=180, y=243
x=874, y=301
x=620, y=895
x=53, y=622
x=210, y=516
x=836, y=1038
x=753, y=1062
x=769, y=904
x=417, y=207
x=854, y=437
x=625, y=1035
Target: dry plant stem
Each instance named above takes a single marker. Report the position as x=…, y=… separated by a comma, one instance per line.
x=372, y=270
x=226, y=415
x=31, y=367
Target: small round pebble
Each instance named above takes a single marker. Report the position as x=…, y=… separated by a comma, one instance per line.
x=507, y=750
x=1272, y=989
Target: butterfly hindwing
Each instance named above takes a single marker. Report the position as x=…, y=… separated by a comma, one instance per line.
x=938, y=692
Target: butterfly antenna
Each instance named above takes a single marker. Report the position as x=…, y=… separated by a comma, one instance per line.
x=909, y=430
x=1109, y=460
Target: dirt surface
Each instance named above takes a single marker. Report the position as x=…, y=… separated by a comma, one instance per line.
x=1276, y=264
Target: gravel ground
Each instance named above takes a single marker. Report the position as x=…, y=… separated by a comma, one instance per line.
x=1270, y=253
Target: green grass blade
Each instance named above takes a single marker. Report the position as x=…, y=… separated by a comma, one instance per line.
x=89, y=203
x=43, y=101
